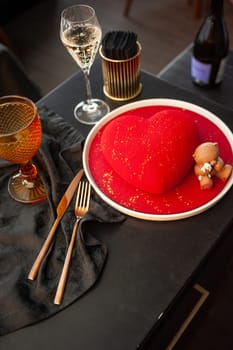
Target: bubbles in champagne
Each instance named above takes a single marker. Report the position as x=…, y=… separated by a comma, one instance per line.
x=82, y=43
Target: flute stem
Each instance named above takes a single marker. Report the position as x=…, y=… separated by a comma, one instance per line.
x=88, y=86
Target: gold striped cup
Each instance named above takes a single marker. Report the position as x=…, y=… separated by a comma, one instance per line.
x=121, y=77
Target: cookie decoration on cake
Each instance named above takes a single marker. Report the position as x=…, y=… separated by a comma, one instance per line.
x=210, y=164
x=153, y=154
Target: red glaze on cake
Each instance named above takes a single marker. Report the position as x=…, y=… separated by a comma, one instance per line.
x=153, y=154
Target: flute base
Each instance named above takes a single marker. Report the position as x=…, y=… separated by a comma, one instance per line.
x=91, y=112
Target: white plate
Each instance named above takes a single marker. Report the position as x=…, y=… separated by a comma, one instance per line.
x=156, y=102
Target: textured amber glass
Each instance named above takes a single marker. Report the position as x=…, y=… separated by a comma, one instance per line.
x=20, y=130
x=20, y=139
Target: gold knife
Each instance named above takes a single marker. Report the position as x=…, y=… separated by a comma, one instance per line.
x=61, y=209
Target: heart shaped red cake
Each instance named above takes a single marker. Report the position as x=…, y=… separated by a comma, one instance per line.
x=153, y=154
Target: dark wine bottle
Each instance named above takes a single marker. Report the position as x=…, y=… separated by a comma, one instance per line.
x=210, y=48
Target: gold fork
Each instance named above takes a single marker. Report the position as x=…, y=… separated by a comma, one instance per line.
x=81, y=207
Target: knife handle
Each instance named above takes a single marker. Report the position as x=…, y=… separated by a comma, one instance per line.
x=36, y=266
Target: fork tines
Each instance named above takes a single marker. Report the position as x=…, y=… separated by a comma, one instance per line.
x=83, y=195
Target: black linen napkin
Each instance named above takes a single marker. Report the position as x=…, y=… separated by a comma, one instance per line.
x=23, y=229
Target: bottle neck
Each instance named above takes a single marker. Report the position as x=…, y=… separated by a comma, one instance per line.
x=216, y=7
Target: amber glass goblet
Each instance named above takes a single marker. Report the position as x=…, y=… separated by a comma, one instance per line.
x=20, y=139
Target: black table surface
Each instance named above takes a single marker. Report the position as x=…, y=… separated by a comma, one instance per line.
x=149, y=263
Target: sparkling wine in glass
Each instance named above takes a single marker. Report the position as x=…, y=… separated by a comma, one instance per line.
x=81, y=34
x=20, y=139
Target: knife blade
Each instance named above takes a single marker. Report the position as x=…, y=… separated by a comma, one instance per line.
x=61, y=209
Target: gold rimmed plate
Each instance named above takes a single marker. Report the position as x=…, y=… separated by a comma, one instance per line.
x=186, y=199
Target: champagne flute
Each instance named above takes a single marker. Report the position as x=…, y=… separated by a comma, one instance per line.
x=81, y=34
x=20, y=139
